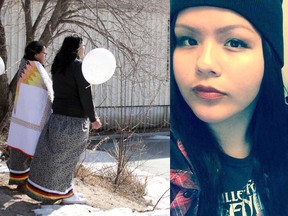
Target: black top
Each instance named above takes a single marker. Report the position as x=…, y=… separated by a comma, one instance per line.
x=235, y=172
x=239, y=195
x=72, y=93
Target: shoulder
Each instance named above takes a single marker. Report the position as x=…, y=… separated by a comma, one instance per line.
x=39, y=65
x=178, y=153
x=76, y=67
x=78, y=61
x=76, y=64
x=180, y=164
x=184, y=189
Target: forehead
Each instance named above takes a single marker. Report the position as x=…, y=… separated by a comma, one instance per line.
x=210, y=16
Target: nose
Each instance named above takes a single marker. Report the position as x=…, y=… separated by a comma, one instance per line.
x=208, y=60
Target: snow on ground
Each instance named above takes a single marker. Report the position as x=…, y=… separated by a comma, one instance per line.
x=83, y=210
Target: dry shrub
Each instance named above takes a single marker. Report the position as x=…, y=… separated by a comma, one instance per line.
x=129, y=185
x=91, y=178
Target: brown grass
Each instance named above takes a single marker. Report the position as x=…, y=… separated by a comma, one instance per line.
x=129, y=186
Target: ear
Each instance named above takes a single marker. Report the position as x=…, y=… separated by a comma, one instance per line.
x=36, y=54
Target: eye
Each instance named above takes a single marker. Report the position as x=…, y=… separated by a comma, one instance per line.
x=186, y=41
x=236, y=43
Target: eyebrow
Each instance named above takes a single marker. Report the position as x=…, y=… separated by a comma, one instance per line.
x=232, y=27
x=189, y=28
x=220, y=30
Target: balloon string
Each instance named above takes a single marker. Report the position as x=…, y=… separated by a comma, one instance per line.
x=97, y=117
x=88, y=86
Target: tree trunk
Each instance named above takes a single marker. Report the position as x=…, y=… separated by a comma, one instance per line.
x=3, y=50
x=6, y=104
x=4, y=86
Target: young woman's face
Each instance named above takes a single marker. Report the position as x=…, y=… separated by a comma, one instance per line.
x=81, y=51
x=218, y=62
x=41, y=57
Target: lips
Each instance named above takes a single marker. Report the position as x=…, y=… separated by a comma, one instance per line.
x=208, y=93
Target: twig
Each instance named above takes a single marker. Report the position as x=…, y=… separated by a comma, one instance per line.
x=160, y=199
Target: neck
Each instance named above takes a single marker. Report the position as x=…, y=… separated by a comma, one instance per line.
x=231, y=134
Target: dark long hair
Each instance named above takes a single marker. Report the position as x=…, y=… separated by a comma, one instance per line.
x=33, y=48
x=268, y=131
x=67, y=54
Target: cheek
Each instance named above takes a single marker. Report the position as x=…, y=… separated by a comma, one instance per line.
x=183, y=69
x=249, y=79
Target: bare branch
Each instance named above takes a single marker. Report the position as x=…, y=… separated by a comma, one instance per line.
x=40, y=15
x=53, y=23
x=28, y=20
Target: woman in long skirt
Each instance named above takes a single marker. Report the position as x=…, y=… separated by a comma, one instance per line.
x=32, y=108
x=66, y=133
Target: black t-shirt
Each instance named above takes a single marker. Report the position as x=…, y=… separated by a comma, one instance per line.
x=239, y=195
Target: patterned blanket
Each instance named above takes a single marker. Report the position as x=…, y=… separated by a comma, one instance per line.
x=32, y=107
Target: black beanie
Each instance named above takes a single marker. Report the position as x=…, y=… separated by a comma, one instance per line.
x=265, y=15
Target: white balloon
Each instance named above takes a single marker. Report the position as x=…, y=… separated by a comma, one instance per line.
x=2, y=66
x=98, y=66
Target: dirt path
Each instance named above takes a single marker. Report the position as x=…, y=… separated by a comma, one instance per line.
x=13, y=203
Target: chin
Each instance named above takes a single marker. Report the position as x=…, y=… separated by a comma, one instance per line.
x=212, y=116
x=211, y=119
